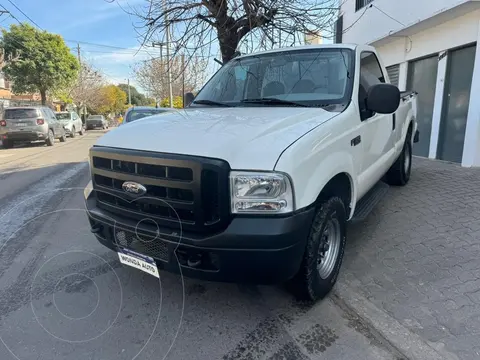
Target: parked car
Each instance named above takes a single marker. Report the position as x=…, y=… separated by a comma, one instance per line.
x=71, y=122
x=256, y=179
x=96, y=121
x=140, y=112
x=31, y=123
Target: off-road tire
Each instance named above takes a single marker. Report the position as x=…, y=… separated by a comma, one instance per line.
x=399, y=173
x=307, y=283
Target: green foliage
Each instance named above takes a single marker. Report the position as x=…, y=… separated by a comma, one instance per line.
x=138, y=99
x=44, y=61
x=112, y=100
x=177, y=102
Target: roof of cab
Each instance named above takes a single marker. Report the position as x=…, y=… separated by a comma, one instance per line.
x=302, y=47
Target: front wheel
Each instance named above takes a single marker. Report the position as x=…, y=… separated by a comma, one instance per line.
x=324, y=251
x=399, y=173
x=74, y=132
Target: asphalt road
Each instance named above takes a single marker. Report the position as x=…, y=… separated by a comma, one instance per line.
x=64, y=296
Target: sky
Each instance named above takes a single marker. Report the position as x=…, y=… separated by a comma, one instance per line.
x=90, y=21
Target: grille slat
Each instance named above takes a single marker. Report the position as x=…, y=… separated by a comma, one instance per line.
x=192, y=189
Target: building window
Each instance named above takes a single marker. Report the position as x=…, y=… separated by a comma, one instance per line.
x=361, y=3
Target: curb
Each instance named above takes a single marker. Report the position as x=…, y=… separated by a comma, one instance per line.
x=405, y=342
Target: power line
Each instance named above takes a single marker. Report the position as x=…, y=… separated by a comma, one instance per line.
x=28, y=17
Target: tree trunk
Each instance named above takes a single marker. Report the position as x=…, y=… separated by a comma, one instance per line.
x=228, y=44
x=43, y=95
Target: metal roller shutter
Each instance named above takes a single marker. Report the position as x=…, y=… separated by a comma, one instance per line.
x=393, y=73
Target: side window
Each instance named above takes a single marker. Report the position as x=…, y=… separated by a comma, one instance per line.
x=52, y=115
x=370, y=74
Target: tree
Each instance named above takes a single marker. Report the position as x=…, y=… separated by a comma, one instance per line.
x=85, y=91
x=44, y=61
x=112, y=100
x=138, y=99
x=196, y=24
x=177, y=102
x=152, y=76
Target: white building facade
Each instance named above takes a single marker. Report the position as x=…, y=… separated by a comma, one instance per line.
x=429, y=46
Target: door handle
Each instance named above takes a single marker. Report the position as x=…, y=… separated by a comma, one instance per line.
x=356, y=140
x=394, y=121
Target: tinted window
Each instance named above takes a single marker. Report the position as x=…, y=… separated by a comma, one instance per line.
x=95, y=117
x=20, y=113
x=139, y=114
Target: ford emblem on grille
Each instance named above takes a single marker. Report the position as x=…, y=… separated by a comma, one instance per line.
x=134, y=188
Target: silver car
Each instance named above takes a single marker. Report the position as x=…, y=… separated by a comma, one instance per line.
x=139, y=112
x=71, y=122
x=95, y=122
x=30, y=123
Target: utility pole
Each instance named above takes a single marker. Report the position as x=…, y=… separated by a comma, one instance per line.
x=162, y=72
x=78, y=54
x=129, y=94
x=183, y=80
x=169, y=73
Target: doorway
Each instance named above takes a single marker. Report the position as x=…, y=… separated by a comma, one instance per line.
x=422, y=77
x=456, y=98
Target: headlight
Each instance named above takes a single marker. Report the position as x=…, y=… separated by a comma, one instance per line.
x=260, y=192
x=88, y=190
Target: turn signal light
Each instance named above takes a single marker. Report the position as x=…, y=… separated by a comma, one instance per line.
x=3, y=123
x=40, y=121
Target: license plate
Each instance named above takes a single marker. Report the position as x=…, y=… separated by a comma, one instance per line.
x=138, y=261
x=22, y=124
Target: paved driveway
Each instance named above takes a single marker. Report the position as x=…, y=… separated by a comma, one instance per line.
x=417, y=258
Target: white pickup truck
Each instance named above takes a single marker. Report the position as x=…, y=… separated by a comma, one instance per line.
x=256, y=180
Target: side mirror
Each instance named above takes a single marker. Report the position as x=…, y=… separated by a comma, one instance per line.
x=383, y=98
x=187, y=99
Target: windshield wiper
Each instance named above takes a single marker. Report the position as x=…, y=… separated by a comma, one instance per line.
x=273, y=101
x=210, y=102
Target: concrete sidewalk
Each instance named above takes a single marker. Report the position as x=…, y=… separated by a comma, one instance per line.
x=412, y=268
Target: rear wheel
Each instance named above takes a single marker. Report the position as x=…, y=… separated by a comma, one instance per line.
x=7, y=144
x=324, y=251
x=50, y=138
x=399, y=173
x=63, y=138
x=82, y=131
x=74, y=132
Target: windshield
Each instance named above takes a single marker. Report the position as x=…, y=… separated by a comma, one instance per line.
x=312, y=77
x=95, y=117
x=138, y=114
x=63, y=116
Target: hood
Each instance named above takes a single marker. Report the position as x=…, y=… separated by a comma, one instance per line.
x=247, y=137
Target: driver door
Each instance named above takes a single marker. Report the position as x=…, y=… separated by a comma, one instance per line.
x=378, y=129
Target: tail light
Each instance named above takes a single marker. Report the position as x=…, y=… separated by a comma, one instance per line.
x=40, y=121
x=3, y=123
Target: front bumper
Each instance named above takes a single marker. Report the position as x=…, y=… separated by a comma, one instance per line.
x=251, y=249
x=23, y=136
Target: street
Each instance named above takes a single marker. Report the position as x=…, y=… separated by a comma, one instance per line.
x=64, y=296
